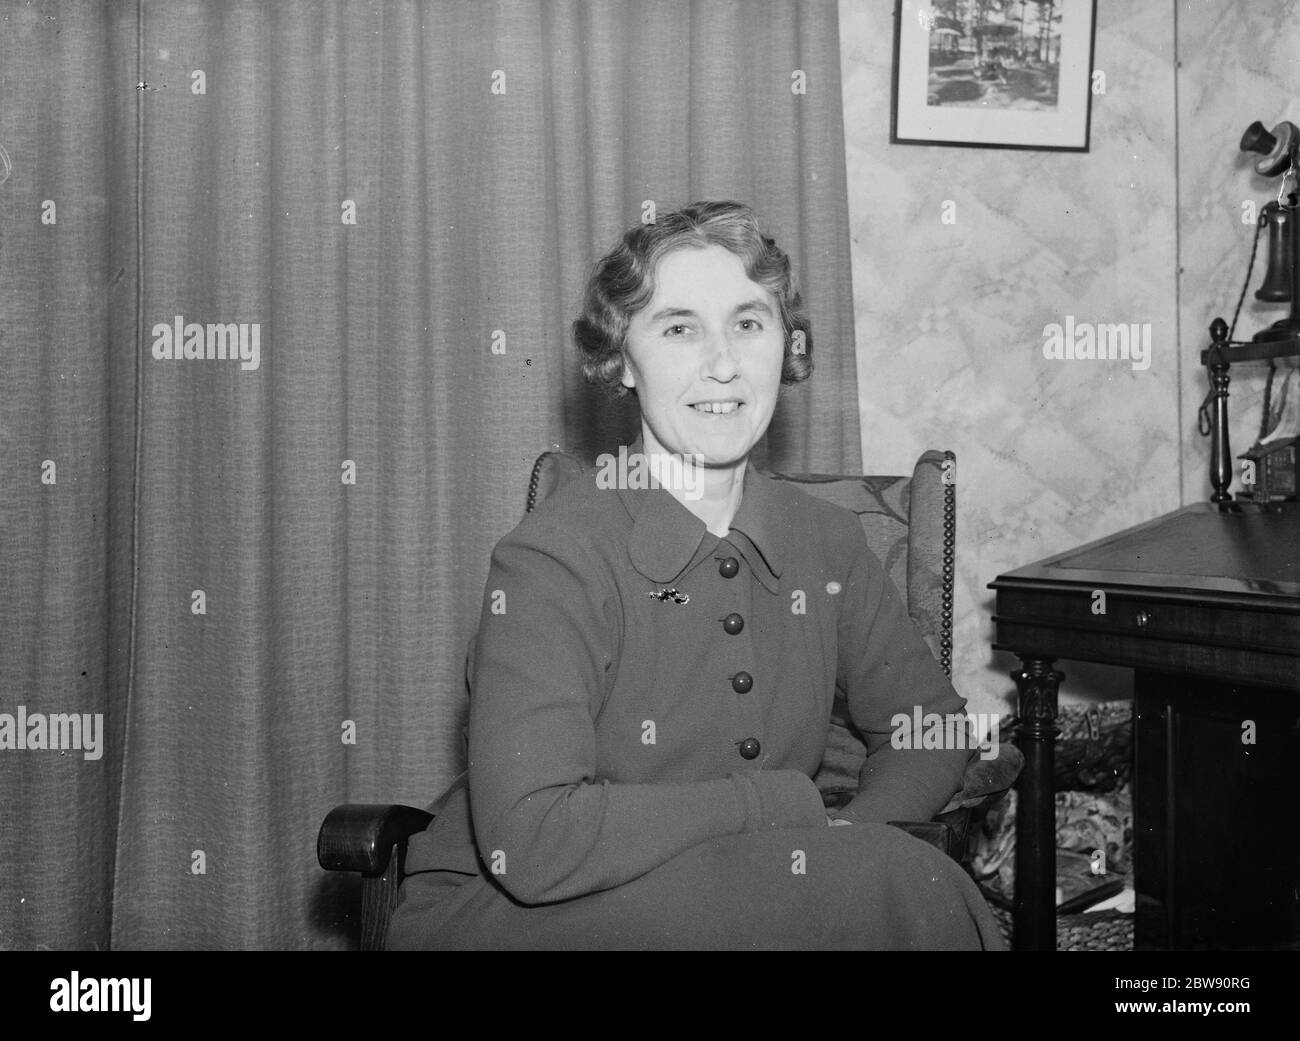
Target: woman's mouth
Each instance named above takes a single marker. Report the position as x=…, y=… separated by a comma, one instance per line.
x=717, y=408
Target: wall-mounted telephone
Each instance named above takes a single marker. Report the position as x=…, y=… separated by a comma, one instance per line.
x=1274, y=454
x=1278, y=151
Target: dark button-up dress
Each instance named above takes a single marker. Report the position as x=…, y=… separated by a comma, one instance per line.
x=648, y=706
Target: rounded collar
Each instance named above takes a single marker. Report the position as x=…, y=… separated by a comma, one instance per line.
x=666, y=536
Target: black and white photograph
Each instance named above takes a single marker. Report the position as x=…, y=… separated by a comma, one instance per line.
x=993, y=74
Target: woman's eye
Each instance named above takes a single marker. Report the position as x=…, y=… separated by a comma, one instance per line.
x=751, y=325
x=675, y=330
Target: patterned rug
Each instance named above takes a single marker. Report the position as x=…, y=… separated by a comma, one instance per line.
x=1098, y=931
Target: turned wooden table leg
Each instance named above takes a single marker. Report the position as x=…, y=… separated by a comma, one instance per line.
x=1035, y=906
x=1220, y=449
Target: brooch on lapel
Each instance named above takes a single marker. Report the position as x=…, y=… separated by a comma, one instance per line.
x=673, y=593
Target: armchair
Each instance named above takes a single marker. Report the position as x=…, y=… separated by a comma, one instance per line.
x=910, y=523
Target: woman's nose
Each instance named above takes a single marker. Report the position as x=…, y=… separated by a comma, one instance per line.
x=721, y=360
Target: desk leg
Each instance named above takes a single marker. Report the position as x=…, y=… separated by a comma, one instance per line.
x=1035, y=906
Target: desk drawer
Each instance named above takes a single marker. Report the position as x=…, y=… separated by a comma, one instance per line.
x=1153, y=618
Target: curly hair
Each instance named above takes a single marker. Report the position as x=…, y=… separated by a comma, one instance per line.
x=623, y=282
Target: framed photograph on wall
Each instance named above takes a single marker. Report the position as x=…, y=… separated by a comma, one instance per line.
x=993, y=73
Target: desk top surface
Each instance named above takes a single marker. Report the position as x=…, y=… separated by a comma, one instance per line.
x=1237, y=548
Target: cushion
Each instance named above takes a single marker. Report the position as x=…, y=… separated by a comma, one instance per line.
x=1094, y=802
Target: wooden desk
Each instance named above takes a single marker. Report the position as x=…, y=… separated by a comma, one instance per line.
x=1204, y=605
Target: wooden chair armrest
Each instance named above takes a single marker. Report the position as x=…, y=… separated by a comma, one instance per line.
x=938, y=833
x=361, y=836
x=985, y=784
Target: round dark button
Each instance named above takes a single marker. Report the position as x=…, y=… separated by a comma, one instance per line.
x=749, y=748
x=729, y=567
x=742, y=683
x=733, y=623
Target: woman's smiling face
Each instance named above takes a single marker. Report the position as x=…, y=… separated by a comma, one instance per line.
x=705, y=358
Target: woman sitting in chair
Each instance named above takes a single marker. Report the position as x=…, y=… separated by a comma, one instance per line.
x=655, y=666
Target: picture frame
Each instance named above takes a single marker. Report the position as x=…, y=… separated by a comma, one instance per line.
x=994, y=73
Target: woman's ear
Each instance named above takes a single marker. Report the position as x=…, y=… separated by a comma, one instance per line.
x=628, y=379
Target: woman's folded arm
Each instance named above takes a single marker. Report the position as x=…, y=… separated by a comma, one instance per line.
x=889, y=675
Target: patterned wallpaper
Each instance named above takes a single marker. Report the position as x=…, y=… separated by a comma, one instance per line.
x=1144, y=228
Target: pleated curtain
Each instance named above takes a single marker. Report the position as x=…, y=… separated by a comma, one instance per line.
x=285, y=292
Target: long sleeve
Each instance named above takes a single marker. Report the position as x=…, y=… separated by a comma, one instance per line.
x=550, y=638
x=887, y=671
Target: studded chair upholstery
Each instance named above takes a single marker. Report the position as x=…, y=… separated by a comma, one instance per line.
x=910, y=524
